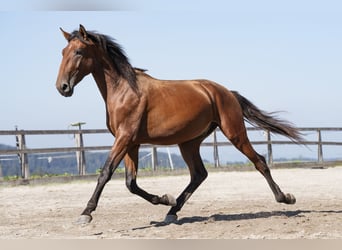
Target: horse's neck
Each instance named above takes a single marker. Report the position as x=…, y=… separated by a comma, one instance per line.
x=105, y=79
x=110, y=83
x=118, y=95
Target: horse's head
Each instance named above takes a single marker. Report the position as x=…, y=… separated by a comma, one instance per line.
x=77, y=62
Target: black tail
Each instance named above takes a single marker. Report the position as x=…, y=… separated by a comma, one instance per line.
x=267, y=121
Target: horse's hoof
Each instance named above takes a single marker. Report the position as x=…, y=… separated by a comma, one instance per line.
x=84, y=219
x=170, y=218
x=290, y=199
x=170, y=200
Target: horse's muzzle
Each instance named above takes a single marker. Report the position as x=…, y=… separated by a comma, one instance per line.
x=65, y=89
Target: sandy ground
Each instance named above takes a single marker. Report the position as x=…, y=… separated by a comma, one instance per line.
x=231, y=205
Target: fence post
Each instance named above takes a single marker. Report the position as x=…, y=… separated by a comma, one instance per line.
x=80, y=156
x=170, y=158
x=23, y=160
x=215, y=151
x=154, y=158
x=269, y=148
x=319, y=145
x=1, y=175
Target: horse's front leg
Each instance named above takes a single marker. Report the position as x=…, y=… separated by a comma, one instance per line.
x=131, y=163
x=116, y=154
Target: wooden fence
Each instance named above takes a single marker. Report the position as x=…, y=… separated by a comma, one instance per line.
x=23, y=151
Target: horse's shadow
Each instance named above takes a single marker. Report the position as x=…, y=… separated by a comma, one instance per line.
x=238, y=217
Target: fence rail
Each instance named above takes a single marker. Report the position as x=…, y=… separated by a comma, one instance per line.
x=23, y=151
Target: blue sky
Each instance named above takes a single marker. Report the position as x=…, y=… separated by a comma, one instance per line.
x=282, y=56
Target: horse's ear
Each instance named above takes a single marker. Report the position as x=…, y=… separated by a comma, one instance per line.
x=65, y=34
x=83, y=32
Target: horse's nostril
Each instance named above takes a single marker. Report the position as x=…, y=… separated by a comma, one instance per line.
x=65, y=86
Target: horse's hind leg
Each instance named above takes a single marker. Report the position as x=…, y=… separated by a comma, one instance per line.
x=198, y=173
x=241, y=142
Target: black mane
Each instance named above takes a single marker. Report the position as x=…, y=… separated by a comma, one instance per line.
x=115, y=52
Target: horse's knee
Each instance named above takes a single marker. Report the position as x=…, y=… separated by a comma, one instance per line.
x=131, y=185
x=200, y=176
x=204, y=175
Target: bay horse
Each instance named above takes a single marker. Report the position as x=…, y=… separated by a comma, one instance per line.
x=141, y=109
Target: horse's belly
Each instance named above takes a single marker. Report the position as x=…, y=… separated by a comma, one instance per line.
x=180, y=127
